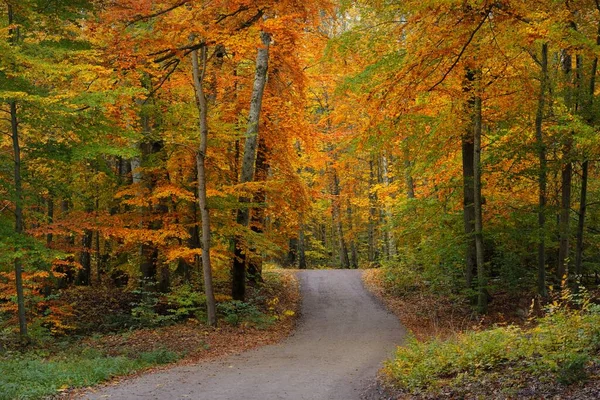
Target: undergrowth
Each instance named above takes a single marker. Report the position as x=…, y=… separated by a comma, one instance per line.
x=558, y=349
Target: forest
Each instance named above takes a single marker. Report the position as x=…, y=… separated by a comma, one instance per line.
x=162, y=161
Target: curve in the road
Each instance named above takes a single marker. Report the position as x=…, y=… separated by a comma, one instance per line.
x=343, y=336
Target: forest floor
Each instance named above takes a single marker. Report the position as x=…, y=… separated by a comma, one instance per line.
x=63, y=368
x=342, y=337
x=428, y=316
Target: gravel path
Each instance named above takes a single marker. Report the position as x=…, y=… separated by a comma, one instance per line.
x=342, y=337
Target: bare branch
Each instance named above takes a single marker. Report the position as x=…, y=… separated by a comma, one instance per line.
x=462, y=51
x=139, y=18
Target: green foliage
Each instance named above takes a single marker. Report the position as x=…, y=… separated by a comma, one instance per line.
x=32, y=376
x=186, y=302
x=237, y=312
x=144, y=312
x=558, y=349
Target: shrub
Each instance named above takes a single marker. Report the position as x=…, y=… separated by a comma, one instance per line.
x=558, y=348
x=236, y=312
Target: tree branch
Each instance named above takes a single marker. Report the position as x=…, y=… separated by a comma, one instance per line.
x=139, y=18
x=462, y=51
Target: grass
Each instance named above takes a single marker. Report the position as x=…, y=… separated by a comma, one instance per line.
x=32, y=376
x=557, y=351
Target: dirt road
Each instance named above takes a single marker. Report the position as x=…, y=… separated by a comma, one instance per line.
x=343, y=336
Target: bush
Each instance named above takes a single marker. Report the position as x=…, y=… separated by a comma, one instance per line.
x=185, y=302
x=236, y=312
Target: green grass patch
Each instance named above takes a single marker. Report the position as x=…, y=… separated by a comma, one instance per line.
x=32, y=376
x=558, y=350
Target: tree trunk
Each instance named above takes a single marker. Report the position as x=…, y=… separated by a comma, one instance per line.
x=410, y=186
x=258, y=213
x=301, y=247
x=19, y=228
x=468, y=171
x=482, y=296
x=372, y=256
x=391, y=240
x=562, y=270
x=238, y=271
x=353, y=252
x=50, y=219
x=542, y=175
x=581, y=221
x=198, y=76
x=337, y=220
x=585, y=167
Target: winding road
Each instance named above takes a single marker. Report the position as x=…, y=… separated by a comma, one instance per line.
x=342, y=337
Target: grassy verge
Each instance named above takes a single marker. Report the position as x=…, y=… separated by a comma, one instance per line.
x=30, y=376
x=54, y=367
x=553, y=356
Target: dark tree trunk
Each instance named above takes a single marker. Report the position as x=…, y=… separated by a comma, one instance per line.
x=542, y=175
x=585, y=166
x=19, y=228
x=482, y=279
x=468, y=171
x=337, y=220
x=292, y=255
x=50, y=219
x=372, y=256
x=13, y=37
x=258, y=213
x=353, y=251
x=301, y=248
x=562, y=270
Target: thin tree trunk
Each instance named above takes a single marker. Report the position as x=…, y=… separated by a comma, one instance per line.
x=372, y=214
x=238, y=271
x=562, y=270
x=542, y=175
x=198, y=76
x=337, y=220
x=258, y=213
x=391, y=240
x=50, y=219
x=468, y=171
x=482, y=297
x=353, y=252
x=410, y=186
x=19, y=229
x=301, y=247
x=585, y=166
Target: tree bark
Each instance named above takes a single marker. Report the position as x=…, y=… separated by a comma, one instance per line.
x=353, y=251
x=562, y=270
x=391, y=240
x=50, y=219
x=337, y=220
x=198, y=77
x=482, y=296
x=258, y=213
x=238, y=270
x=410, y=185
x=372, y=256
x=542, y=175
x=19, y=227
x=585, y=166
x=468, y=172
x=301, y=247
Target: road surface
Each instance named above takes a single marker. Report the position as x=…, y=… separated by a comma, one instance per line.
x=343, y=335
